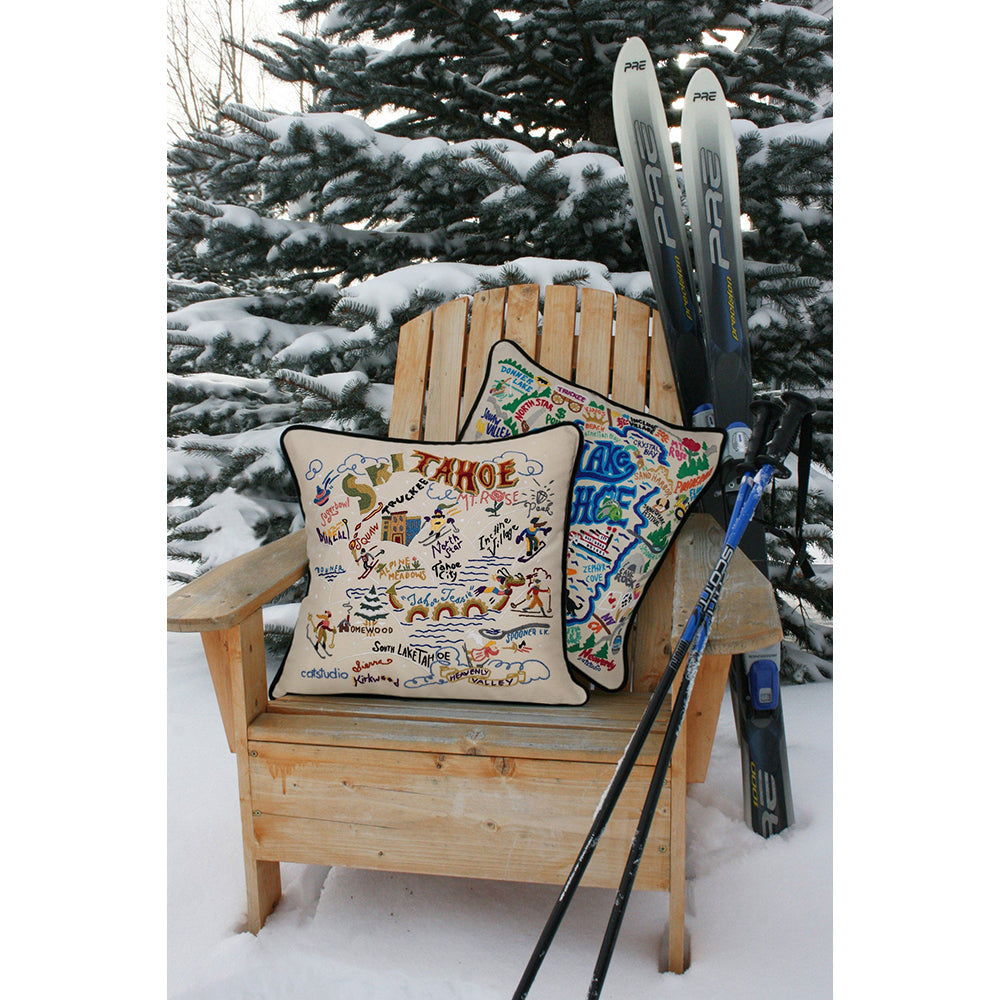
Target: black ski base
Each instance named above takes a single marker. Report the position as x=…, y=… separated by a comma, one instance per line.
x=767, y=796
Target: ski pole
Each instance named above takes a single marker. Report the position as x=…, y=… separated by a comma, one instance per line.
x=613, y=793
x=752, y=488
x=610, y=799
x=600, y=821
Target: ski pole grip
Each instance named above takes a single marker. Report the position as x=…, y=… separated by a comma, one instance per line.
x=765, y=413
x=797, y=408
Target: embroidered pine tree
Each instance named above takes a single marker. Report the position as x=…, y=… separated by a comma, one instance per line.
x=692, y=465
x=371, y=608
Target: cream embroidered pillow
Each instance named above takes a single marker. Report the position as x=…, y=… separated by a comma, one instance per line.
x=435, y=570
x=637, y=478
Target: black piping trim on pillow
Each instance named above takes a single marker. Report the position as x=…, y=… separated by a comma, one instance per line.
x=473, y=410
x=415, y=442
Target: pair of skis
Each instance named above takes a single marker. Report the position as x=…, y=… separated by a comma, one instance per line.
x=762, y=460
x=709, y=349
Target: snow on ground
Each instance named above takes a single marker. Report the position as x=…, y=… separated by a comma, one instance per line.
x=759, y=912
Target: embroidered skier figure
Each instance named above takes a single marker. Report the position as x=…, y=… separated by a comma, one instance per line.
x=322, y=630
x=366, y=559
x=538, y=580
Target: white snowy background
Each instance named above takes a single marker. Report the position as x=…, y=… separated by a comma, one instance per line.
x=95, y=877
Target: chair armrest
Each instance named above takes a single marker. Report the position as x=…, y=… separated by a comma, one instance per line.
x=227, y=595
x=747, y=616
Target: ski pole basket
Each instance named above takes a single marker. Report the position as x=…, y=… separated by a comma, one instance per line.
x=478, y=789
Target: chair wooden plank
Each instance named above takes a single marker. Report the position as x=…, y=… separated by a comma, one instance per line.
x=593, y=355
x=445, y=373
x=248, y=674
x=702, y=718
x=226, y=595
x=746, y=617
x=663, y=400
x=412, y=355
x=631, y=348
x=522, y=317
x=367, y=845
x=384, y=808
x=609, y=710
x=567, y=738
x=558, y=330
x=485, y=329
x=674, y=959
x=216, y=646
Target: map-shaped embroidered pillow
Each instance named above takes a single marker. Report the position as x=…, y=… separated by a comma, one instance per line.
x=637, y=478
x=435, y=570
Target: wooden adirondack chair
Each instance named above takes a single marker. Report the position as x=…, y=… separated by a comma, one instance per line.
x=474, y=788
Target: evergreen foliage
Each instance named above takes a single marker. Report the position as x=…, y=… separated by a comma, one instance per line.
x=299, y=243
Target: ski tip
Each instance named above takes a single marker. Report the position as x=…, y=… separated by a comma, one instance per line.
x=633, y=56
x=704, y=86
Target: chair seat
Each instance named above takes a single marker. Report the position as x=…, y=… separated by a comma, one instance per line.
x=595, y=731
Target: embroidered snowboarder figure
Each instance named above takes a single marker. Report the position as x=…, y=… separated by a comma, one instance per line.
x=530, y=536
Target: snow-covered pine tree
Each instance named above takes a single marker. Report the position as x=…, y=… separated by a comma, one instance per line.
x=299, y=243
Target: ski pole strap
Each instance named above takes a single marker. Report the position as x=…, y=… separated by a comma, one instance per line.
x=795, y=421
x=765, y=413
x=800, y=558
x=797, y=408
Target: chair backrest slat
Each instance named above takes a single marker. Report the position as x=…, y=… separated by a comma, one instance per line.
x=631, y=352
x=485, y=329
x=663, y=399
x=522, y=317
x=445, y=375
x=597, y=314
x=558, y=330
x=407, y=417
